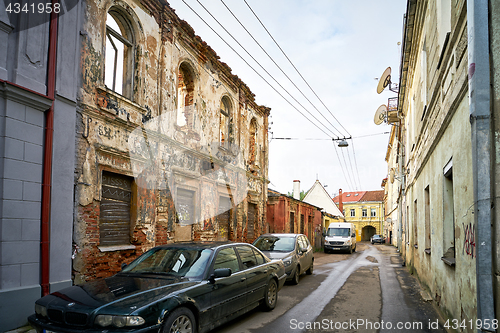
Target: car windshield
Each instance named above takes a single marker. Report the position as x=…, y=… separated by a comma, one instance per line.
x=181, y=262
x=344, y=232
x=377, y=236
x=280, y=244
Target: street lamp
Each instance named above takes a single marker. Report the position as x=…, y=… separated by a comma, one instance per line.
x=342, y=141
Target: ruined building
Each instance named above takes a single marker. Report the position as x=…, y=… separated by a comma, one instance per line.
x=170, y=145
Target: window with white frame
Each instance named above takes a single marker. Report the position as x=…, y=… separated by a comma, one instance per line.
x=119, y=53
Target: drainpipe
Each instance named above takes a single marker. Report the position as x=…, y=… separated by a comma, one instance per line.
x=480, y=117
x=47, y=155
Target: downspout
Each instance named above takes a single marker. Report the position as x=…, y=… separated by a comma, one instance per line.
x=480, y=117
x=47, y=155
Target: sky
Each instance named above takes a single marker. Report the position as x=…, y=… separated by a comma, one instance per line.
x=340, y=48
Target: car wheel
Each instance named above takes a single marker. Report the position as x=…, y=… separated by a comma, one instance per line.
x=271, y=296
x=180, y=321
x=350, y=249
x=310, y=270
x=327, y=251
x=296, y=275
x=354, y=248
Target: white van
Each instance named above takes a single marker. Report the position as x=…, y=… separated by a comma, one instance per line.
x=340, y=236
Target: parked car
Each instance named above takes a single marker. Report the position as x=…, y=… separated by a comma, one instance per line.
x=377, y=239
x=294, y=249
x=183, y=287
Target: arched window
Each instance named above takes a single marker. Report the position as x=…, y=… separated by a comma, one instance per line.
x=119, y=56
x=252, y=152
x=185, y=96
x=225, y=115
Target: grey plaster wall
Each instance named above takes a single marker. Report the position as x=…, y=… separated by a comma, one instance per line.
x=21, y=158
x=23, y=61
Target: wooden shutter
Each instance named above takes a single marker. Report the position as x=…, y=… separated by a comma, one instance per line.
x=114, y=221
x=185, y=206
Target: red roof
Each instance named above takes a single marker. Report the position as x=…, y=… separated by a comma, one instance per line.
x=373, y=196
x=350, y=197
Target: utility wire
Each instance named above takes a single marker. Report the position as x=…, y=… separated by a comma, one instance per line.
x=350, y=164
x=356, y=137
x=244, y=49
x=246, y=62
x=355, y=163
x=289, y=79
x=294, y=65
x=341, y=166
x=347, y=170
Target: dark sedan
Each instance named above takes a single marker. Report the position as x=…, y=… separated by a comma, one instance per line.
x=294, y=249
x=377, y=239
x=184, y=287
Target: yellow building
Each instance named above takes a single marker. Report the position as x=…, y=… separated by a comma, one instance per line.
x=365, y=209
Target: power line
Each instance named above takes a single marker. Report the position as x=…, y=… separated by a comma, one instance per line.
x=246, y=62
x=341, y=166
x=244, y=49
x=289, y=79
x=294, y=65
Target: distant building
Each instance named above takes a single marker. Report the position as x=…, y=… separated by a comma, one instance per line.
x=286, y=214
x=365, y=209
x=317, y=195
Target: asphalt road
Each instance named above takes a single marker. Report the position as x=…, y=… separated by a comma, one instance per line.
x=368, y=291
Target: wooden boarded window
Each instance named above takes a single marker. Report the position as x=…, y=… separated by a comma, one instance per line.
x=114, y=221
x=185, y=206
x=292, y=222
x=302, y=223
x=252, y=218
x=224, y=217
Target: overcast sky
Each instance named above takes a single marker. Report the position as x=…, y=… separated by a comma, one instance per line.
x=339, y=47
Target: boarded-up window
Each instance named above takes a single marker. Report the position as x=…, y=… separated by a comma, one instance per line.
x=252, y=218
x=302, y=223
x=224, y=217
x=185, y=206
x=114, y=218
x=292, y=222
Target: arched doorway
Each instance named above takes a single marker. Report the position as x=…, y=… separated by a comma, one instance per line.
x=367, y=232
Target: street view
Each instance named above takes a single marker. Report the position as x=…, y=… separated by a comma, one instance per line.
x=198, y=166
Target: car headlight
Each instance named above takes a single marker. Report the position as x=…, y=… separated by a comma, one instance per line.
x=348, y=242
x=287, y=261
x=119, y=321
x=40, y=310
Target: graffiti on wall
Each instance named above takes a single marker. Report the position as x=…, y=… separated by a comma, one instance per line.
x=469, y=240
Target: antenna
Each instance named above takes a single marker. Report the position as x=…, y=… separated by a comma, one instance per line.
x=380, y=115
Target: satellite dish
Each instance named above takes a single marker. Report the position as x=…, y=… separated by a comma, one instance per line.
x=380, y=114
x=384, y=81
x=391, y=175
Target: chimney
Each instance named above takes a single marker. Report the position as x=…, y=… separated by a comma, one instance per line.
x=296, y=189
x=341, y=204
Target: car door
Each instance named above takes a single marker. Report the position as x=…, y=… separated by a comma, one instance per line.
x=309, y=252
x=256, y=274
x=304, y=257
x=228, y=293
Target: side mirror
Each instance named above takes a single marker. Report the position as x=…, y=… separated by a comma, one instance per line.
x=123, y=265
x=324, y=234
x=218, y=273
x=353, y=234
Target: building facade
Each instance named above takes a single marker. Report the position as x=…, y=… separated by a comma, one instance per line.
x=286, y=214
x=318, y=196
x=445, y=186
x=38, y=93
x=171, y=145
x=365, y=209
